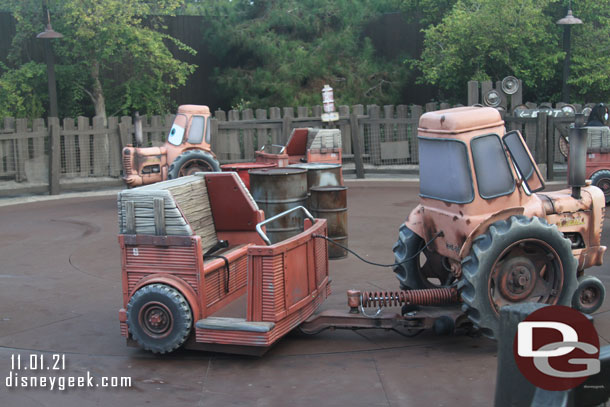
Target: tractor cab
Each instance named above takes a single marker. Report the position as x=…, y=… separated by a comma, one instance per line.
x=470, y=170
x=186, y=151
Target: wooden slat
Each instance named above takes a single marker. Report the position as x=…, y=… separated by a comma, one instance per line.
x=101, y=149
x=115, y=159
x=38, y=142
x=159, y=213
x=130, y=217
x=84, y=144
x=21, y=149
x=248, y=136
x=374, y=135
x=262, y=135
x=234, y=151
x=276, y=133
x=68, y=155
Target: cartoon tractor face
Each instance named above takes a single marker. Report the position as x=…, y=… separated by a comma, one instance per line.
x=186, y=151
x=498, y=240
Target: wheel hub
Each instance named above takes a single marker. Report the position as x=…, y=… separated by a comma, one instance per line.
x=155, y=319
x=517, y=279
x=588, y=296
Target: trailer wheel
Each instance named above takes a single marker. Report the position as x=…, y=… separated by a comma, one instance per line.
x=601, y=179
x=192, y=161
x=516, y=260
x=423, y=271
x=589, y=295
x=159, y=318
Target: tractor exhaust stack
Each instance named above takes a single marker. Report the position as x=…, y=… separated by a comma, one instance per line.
x=578, y=156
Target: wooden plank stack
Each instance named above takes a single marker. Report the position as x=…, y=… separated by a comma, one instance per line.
x=178, y=207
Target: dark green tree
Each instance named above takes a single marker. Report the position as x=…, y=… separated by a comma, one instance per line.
x=281, y=53
x=490, y=39
x=101, y=38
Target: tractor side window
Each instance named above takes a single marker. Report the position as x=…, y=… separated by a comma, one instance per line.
x=176, y=133
x=208, y=131
x=196, y=130
x=444, y=170
x=494, y=177
x=523, y=161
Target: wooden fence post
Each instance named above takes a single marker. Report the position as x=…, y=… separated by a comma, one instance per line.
x=262, y=136
x=346, y=133
x=416, y=112
x=84, y=145
x=124, y=132
x=550, y=148
x=374, y=136
x=287, y=124
x=21, y=150
x=220, y=144
x=358, y=110
x=355, y=135
x=473, y=92
x=541, y=138
x=234, y=151
x=249, y=148
x=276, y=133
x=54, y=156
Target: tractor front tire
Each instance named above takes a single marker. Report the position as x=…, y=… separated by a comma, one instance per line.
x=406, y=268
x=589, y=295
x=516, y=260
x=414, y=271
x=601, y=179
x=192, y=161
x=159, y=318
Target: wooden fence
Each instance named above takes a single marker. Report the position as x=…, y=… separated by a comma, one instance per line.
x=73, y=154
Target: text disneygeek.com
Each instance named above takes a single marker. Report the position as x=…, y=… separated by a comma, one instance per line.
x=26, y=372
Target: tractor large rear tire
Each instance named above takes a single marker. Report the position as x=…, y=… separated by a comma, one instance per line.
x=192, y=161
x=159, y=318
x=516, y=260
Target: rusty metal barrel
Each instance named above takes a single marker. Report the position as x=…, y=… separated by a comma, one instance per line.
x=276, y=190
x=321, y=174
x=330, y=203
x=242, y=169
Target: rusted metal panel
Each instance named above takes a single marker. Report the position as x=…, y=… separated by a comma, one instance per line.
x=277, y=190
x=330, y=203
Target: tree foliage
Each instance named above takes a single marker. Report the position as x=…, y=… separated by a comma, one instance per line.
x=490, y=39
x=276, y=53
x=590, y=73
x=101, y=36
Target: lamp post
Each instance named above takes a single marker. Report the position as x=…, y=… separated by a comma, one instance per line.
x=47, y=35
x=568, y=21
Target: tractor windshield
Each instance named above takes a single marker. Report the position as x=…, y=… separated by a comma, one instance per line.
x=494, y=177
x=444, y=170
x=176, y=133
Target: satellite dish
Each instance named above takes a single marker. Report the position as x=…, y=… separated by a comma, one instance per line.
x=510, y=85
x=492, y=98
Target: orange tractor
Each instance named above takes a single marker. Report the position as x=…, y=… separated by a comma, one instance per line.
x=186, y=151
x=485, y=228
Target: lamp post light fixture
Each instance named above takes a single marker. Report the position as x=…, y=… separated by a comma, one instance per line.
x=47, y=35
x=568, y=21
